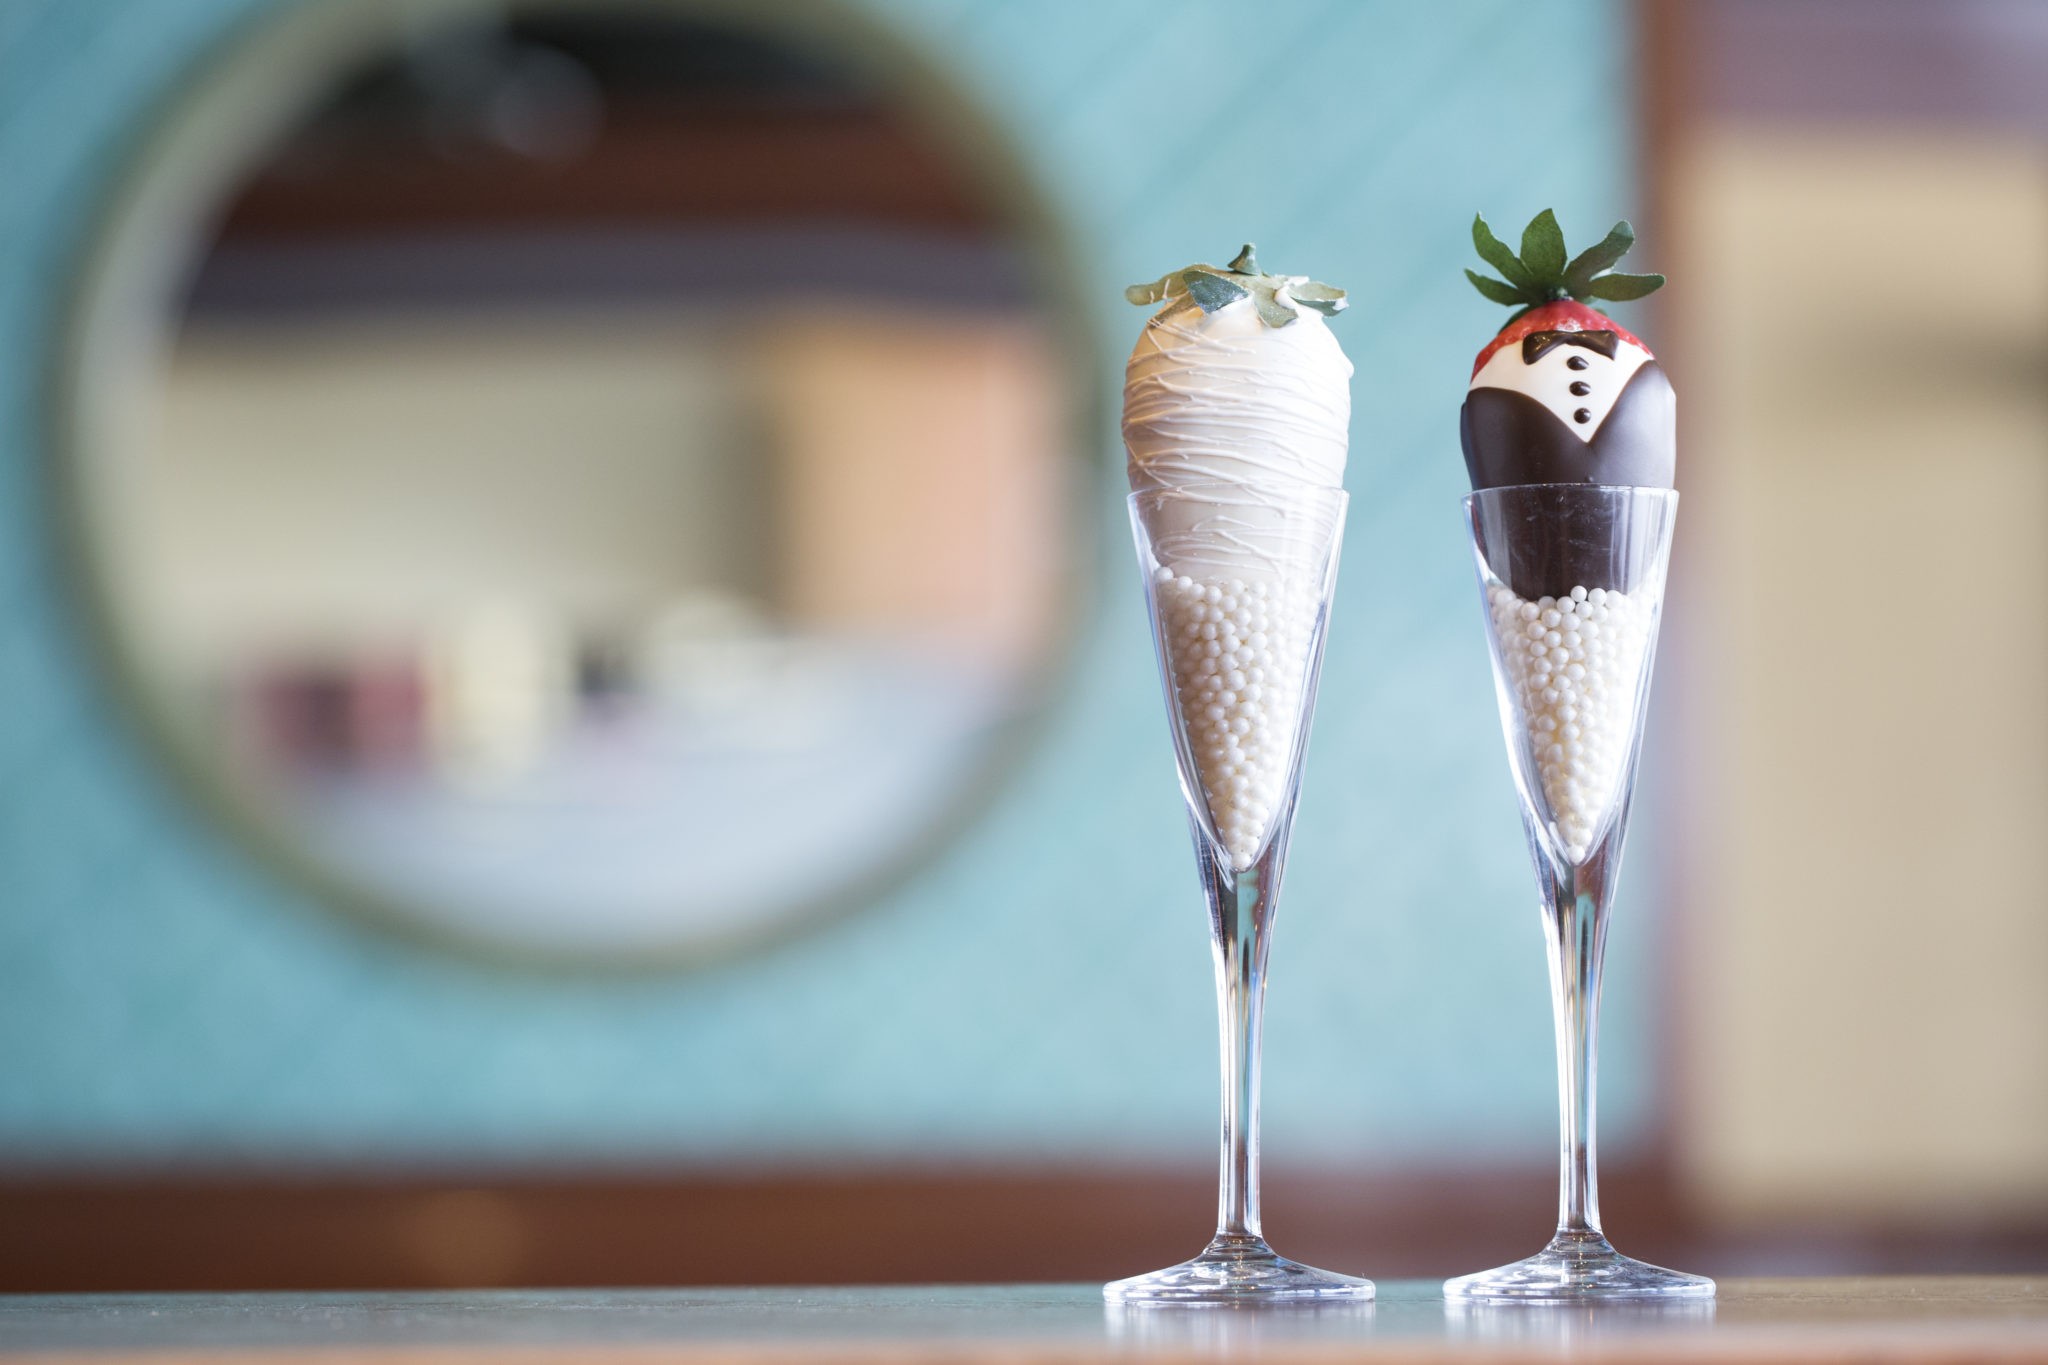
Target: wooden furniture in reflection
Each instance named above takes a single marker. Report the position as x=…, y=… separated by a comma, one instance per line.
x=875, y=1225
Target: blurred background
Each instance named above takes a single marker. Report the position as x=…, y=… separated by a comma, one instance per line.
x=576, y=710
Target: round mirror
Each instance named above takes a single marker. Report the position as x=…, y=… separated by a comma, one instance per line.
x=583, y=479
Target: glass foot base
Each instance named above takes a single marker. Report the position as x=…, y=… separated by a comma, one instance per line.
x=1576, y=1268
x=1238, y=1270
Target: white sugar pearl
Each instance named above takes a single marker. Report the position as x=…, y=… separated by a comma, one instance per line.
x=1237, y=652
x=1572, y=664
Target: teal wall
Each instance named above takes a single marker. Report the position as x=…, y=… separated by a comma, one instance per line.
x=1042, y=989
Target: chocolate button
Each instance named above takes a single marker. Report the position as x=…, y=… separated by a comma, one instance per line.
x=1580, y=388
x=1583, y=415
x=1577, y=362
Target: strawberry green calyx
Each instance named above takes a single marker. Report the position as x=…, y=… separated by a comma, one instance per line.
x=1541, y=273
x=1276, y=297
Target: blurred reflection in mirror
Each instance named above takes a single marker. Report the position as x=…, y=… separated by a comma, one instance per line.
x=601, y=482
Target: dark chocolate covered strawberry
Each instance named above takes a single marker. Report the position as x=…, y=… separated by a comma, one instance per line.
x=1564, y=394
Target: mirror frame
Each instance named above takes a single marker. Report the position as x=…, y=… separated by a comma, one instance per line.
x=188, y=149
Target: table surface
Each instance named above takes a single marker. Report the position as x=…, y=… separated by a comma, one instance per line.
x=1889, y=1319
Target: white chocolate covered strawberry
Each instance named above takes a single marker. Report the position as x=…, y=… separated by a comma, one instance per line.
x=1237, y=412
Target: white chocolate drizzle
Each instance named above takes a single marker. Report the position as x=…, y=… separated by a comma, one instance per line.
x=1237, y=417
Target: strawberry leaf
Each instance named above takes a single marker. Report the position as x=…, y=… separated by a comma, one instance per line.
x=1595, y=259
x=1494, y=289
x=1212, y=291
x=1274, y=312
x=1160, y=290
x=1274, y=297
x=1543, y=248
x=1616, y=288
x=1326, y=299
x=1495, y=253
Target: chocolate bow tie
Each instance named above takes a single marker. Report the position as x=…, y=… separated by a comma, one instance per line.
x=1537, y=344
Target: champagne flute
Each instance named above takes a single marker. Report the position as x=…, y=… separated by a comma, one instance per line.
x=1572, y=577
x=1238, y=584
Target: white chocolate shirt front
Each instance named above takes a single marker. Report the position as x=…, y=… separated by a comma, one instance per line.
x=1549, y=380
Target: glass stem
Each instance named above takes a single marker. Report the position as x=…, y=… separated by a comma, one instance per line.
x=1241, y=907
x=1577, y=939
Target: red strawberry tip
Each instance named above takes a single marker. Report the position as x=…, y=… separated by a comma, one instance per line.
x=1565, y=315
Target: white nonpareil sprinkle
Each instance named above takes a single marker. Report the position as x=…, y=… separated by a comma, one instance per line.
x=1574, y=663
x=1238, y=653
